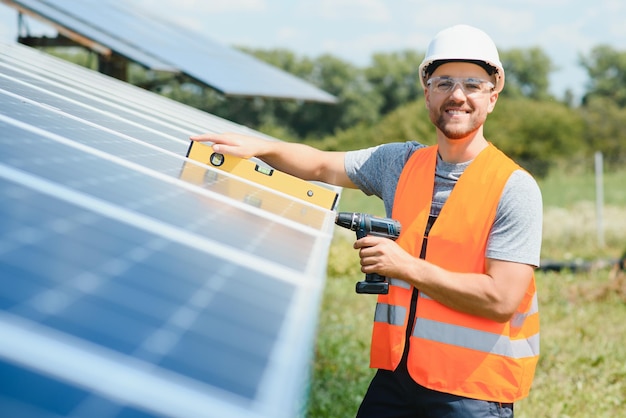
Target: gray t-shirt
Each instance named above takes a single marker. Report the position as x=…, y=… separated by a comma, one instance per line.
x=516, y=232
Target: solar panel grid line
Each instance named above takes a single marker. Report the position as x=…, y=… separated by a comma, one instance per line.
x=45, y=170
x=178, y=157
x=296, y=320
x=175, y=138
x=123, y=19
x=143, y=40
x=128, y=120
x=156, y=174
x=50, y=16
x=112, y=89
x=124, y=14
x=152, y=225
x=121, y=100
x=132, y=115
x=184, y=43
x=184, y=117
x=50, y=66
x=121, y=377
x=48, y=73
x=299, y=323
x=76, y=28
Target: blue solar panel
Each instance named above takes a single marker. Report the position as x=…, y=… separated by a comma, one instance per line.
x=139, y=35
x=126, y=290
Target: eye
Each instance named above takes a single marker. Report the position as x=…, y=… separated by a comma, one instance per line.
x=444, y=84
x=472, y=86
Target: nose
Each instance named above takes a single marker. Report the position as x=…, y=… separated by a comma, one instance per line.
x=457, y=91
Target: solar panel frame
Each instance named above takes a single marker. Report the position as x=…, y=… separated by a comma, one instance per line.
x=282, y=385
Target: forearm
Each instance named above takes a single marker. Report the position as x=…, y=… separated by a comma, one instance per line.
x=304, y=162
x=472, y=293
x=495, y=294
x=296, y=159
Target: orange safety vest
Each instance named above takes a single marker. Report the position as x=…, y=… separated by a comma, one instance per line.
x=451, y=351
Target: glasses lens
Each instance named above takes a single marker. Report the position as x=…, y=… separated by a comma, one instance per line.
x=444, y=84
x=469, y=85
x=472, y=85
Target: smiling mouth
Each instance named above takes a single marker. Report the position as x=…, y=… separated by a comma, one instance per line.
x=456, y=112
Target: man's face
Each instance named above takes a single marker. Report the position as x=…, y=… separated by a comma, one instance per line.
x=459, y=113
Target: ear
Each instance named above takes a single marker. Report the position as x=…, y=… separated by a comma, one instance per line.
x=493, y=98
x=427, y=98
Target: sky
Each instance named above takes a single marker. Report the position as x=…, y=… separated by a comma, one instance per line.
x=354, y=30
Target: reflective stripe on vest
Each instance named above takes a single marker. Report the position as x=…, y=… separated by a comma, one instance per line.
x=520, y=317
x=463, y=336
x=399, y=283
x=476, y=340
x=390, y=314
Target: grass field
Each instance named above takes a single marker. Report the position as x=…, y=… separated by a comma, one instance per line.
x=582, y=369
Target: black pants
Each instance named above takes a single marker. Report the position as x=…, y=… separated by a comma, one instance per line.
x=394, y=394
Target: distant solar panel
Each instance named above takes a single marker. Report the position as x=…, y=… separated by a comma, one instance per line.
x=157, y=44
x=126, y=291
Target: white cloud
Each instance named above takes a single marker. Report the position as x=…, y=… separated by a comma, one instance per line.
x=567, y=36
x=617, y=31
x=367, y=10
x=198, y=7
x=542, y=3
x=615, y=6
x=361, y=48
x=503, y=24
x=613, y=15
x=193, y=14
x=288, y=34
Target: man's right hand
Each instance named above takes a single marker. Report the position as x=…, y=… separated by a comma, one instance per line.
x=299, y=160
x=239, y=145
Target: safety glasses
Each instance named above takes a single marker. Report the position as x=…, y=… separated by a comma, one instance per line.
x=468, y=85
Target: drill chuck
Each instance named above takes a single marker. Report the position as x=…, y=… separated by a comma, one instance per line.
x=347, y=220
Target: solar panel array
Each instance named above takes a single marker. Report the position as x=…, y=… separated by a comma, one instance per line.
x=141, y=36
x=127, y=290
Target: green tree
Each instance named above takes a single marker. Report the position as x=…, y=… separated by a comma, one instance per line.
x=407, y=123
x=527, y=73
x=536, y=133
x=357, y=103
x=604, y=128
x=395, y=76
x=606, y=68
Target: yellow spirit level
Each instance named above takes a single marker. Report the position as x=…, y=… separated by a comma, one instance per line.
x=260, y=174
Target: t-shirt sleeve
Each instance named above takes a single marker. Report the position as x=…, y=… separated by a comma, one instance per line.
x=517, y=229
x=362, y=166
x=376, y=170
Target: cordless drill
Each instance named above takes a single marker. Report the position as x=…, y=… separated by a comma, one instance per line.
x=365, y=224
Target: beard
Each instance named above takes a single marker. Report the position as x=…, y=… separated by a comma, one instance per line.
x=456, y=129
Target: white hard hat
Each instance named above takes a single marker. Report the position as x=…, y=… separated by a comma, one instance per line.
x=463, y=43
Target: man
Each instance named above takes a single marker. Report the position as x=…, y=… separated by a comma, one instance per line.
x=458, y=333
